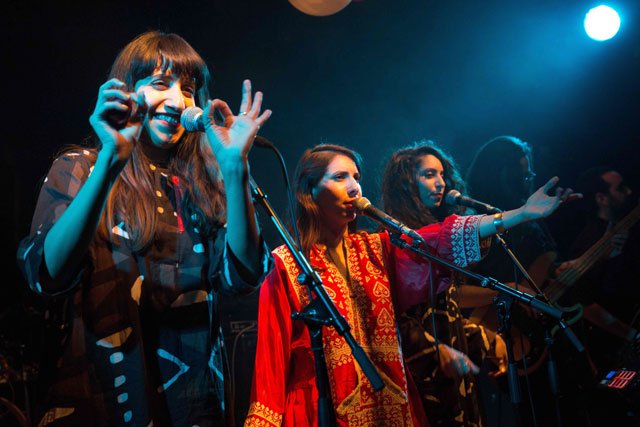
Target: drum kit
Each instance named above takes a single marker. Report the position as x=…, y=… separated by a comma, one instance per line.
x=17, y=377
x=30, y=329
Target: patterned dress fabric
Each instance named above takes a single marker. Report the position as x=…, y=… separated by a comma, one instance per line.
x=384, y=280
x=143, y=345
x=448, y=401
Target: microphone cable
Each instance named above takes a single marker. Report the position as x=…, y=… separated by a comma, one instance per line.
x=263, y=142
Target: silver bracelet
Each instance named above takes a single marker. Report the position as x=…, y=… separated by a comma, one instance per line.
x=498, y=224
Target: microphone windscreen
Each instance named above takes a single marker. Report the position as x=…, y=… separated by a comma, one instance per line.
x=361, y=203
x=189, y=119
x=451, y=196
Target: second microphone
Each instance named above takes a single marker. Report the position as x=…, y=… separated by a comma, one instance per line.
x=364, y=206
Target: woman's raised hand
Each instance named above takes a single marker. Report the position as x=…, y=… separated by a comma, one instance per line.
x=540, y=204
x=233, y=139
x=117, y=119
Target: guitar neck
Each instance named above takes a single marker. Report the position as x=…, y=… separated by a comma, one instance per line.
x=599, y=249
x=558, y=287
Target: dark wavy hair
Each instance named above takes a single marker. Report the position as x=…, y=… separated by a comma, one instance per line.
x=400, y=194
x=495, y=174
x=310, y=169
x=133, y=198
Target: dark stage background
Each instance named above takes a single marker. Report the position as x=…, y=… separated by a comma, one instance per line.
x=375, y=76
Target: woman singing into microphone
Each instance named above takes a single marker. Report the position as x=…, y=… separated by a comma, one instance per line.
x=369, y=281
x=138, y=235
x=442, y=349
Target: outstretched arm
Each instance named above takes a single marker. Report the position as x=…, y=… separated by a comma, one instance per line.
x=539, y=205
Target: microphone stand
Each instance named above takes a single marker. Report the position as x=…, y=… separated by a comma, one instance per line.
x=552, y=370
x=503, y=305
x=321, y=311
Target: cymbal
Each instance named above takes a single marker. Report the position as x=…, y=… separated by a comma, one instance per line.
x=320, y=7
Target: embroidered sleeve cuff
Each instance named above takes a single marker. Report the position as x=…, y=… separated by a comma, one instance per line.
x=262, y=416
x=465, y=240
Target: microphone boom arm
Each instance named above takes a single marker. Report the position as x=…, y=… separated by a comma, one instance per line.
x=485, y=282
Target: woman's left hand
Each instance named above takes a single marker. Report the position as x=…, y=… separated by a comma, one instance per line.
x=540, y=204
x=454, y=363
x=233, y=139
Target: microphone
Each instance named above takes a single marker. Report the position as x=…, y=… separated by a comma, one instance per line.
x=191, y=119
x=454, y=197
x=363, y=205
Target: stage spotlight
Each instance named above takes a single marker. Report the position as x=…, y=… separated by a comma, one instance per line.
x=602, y=23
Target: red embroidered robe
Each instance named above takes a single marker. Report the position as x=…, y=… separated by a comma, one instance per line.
x=284, y=390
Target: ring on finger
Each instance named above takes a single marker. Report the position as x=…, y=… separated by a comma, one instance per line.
x=244, y=113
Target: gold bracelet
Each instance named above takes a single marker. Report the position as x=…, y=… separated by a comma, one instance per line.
x=498, y=224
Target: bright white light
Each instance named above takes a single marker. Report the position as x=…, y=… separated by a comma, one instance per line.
x=602, y=23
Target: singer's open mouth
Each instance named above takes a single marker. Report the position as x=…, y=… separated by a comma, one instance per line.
x=171, y=119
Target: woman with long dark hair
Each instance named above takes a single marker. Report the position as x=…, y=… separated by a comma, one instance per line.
x=502, y=175
x=138, y=235
x=442, y=362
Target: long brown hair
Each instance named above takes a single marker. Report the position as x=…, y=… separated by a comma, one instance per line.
x=310, y=169
x=133, y=198
x=495, y=175
x=400, y=194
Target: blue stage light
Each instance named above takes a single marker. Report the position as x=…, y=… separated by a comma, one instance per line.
x=602, y=23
